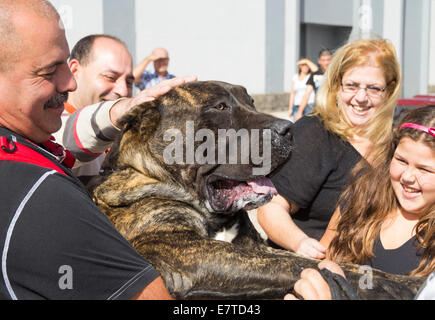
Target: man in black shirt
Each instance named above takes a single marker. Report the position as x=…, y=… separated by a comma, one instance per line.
x=55, y=243
x=315, y=80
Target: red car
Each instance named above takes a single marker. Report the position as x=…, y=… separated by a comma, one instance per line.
x=430, y=97
x=414, y=102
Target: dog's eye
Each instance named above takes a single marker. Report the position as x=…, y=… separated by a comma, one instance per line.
x=221, y=106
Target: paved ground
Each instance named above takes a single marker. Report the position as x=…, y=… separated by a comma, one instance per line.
x=283, y=114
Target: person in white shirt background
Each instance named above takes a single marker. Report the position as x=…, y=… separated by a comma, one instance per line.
x=298, y=86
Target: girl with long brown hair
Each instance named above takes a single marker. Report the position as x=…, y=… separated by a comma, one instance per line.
x=386, y=217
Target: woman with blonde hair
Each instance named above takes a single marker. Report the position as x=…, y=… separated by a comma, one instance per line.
x=369, y=53
x=354, y=110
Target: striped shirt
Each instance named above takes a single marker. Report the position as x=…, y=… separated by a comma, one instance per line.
x=87, y=133
x=150, y=79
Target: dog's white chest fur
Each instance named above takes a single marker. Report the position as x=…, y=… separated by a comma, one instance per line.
x=227, y=235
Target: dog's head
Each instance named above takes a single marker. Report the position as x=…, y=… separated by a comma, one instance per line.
x=208, y=138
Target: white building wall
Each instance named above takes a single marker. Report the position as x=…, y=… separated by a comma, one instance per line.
x=432, y=48
x=226, y=39
x=80, y=17
x=393, y=24
x=292, y=30
x=215, y=40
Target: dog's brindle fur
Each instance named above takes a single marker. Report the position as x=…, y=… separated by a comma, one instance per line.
x=161, y=210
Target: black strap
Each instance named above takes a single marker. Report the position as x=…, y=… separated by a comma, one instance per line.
x=339, y=286
x=5, y=145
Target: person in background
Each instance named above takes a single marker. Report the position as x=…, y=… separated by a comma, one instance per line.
x=144, y=79
x=314, y=82
x=354, y=110
x=298, y=87
x=390, y=225
x=102, y=67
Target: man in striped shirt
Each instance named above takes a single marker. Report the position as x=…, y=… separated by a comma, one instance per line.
x=102, y=67
x=144, y=79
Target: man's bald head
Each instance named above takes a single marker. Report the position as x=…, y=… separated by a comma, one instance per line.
x=11, y=42
x=161, y=61
x=161, y=52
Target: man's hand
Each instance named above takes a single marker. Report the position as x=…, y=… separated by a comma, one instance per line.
x=163, y=87
x=123, y=106
x=312, y=286
x=157, y=56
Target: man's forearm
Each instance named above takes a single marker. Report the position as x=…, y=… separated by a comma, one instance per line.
x=139, y=69
x=88, y=132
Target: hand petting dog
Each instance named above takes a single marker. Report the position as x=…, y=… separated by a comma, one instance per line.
x=150, y=94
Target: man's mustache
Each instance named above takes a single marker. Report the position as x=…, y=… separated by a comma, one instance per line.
x=57, y=100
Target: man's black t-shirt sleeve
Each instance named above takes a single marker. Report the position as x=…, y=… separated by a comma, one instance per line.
x=68, y=249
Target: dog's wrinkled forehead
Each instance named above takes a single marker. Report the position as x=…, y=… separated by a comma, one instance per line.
x=205, y=92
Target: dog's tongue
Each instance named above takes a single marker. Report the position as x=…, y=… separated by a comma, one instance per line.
x=226, y=192
x=262, y=186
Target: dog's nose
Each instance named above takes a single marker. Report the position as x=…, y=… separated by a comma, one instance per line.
x=281, y=126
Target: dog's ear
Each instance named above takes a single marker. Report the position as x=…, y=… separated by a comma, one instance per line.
x=141, y=121
x=143, y=118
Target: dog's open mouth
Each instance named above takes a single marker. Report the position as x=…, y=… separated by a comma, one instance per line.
x=225, y=195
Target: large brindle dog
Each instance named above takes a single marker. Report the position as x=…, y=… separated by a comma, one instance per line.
x=171, y=191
